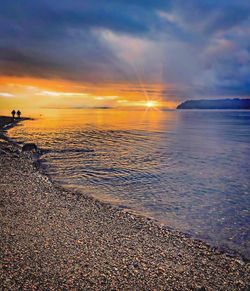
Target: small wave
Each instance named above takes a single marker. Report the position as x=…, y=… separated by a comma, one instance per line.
x=65, y=151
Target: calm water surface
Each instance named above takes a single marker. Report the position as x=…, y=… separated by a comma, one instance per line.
x=188, y=169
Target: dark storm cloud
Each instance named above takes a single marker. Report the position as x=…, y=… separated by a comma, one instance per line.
x=57, y=38
x=211, y=16
x=203, y=46
x=18, y=63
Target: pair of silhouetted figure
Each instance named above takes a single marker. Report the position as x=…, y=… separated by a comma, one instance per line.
x=13, y=112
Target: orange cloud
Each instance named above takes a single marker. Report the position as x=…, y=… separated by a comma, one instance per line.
x=37, y=93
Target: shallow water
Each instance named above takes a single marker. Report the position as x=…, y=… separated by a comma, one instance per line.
x=188, y=169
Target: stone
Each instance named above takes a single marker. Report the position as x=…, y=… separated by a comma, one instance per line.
x=28, y=147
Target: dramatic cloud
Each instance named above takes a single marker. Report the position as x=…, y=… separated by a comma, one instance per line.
x=202, y=48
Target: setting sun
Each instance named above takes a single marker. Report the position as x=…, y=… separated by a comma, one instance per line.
x=151, y=103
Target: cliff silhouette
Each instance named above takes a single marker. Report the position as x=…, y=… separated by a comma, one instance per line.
x=235, y=103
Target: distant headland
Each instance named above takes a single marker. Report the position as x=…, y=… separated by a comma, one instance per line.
x=235, y=103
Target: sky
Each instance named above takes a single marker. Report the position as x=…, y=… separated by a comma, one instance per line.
x=122, y=53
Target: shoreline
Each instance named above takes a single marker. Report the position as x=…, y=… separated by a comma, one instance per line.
x=39, y=167
x=158, y=255
x=7, y=123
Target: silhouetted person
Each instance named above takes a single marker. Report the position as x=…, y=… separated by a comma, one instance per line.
x=18, y=113
x=13, y=112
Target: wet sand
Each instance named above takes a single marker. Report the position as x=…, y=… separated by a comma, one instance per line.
x=54, y=239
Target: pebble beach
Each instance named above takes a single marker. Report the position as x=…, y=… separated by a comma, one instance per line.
x=54, y=239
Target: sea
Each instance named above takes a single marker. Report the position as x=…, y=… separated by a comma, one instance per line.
x=187, y=169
